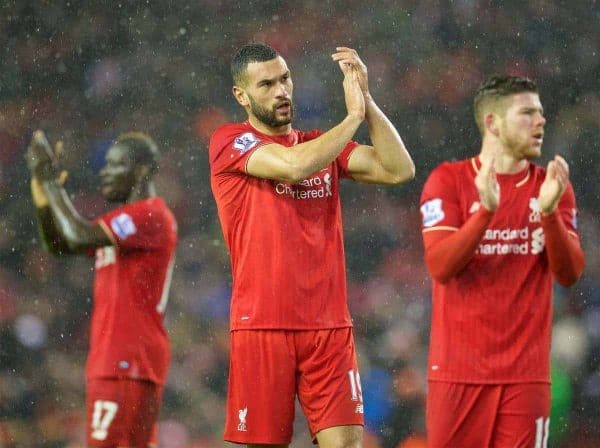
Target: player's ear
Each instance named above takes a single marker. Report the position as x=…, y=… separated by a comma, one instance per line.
x=490, y=121
x=241, y=96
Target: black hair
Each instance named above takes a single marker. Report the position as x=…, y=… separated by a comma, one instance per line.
x=141, y=147
x=253, y=52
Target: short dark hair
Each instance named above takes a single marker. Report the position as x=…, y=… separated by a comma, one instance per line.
x=253, y=52
x=496, y=88
x=142, y=148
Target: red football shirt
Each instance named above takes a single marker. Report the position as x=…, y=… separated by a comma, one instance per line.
x=285, y=241
x=491, y=323
x=131, y=288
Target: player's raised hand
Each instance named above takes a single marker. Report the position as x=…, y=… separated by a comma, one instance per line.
x=40, y=157
x=350, y=57
x=355, y=102
x=554, y=185
x=487, y=185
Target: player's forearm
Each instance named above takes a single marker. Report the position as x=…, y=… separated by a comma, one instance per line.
x=565, y=256
x=312, y=156
x=388, y=144
x=71, y=227
x=51, y=239
x=447, y=255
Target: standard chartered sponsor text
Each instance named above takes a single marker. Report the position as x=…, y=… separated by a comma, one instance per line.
x=311, y=188
x=512, y=241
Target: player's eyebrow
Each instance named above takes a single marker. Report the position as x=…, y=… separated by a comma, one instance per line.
x=528, y=109
x=271, y=80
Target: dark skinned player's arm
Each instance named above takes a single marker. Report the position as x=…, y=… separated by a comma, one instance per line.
x=52, y=240
x=78, y=233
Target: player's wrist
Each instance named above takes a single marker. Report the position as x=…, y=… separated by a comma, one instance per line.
x=489, y=206
x=355, y=117
x=548, y=213
x=548, y=209
x=37, y=193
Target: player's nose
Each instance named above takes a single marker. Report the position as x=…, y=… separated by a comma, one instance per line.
x=282, y=91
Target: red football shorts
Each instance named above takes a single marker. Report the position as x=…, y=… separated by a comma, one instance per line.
x=268, y=368
x=492, y=416
x=122, y=412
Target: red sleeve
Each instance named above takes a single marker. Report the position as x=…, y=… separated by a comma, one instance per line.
x=565, y=255
x=230, y=147
x=449, y=242
x=447, y=252
x=140, y=225
x=344, y=157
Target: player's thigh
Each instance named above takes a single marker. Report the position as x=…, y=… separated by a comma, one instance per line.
x=262, y=388
x=461, y=415
x=329, y=387
x=350, y=436
x=122, y=412
x=523, y=416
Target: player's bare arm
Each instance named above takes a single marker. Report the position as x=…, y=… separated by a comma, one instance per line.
x=52, y=241
x=387, y=161
x=49, y=235
x=554, y=185
x=294, y=164
x=76, y=233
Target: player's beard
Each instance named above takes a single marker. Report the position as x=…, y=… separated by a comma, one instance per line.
x=520, y=145
x=269, y=116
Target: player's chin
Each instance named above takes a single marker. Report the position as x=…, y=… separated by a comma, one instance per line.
x=111, y=195
x=284, y=119
x=532, y=152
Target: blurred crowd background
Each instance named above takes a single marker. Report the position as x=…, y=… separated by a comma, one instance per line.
x=87, y=71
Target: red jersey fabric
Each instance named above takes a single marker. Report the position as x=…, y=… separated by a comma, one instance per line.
x=128, y=339
x=285, y=240
x=491, y=322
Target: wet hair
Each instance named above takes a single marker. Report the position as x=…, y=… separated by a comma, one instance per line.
x=493, y=90
x=141, y=147
x=253, y=52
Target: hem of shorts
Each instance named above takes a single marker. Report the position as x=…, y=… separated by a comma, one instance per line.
x=256, y=442
x=284, y=328
x=124, y=377
x=331, y=425
x=492, y=381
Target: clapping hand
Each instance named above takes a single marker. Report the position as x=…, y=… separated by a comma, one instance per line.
x=41, y=159
x=349, y=57
x=353, y=89
x=554, y=185
x=487, y=185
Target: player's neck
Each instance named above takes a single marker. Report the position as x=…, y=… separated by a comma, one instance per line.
x=505, y=162
x=143, y=190
x=269, y=130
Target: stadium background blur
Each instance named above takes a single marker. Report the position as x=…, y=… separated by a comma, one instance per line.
x=85, y=71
